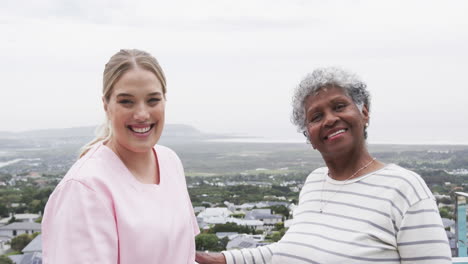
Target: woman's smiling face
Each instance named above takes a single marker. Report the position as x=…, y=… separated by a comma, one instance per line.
x=334, y=123
x=135, y=109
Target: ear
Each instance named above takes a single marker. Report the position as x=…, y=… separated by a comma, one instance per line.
x=104, y=103
x=365, y=113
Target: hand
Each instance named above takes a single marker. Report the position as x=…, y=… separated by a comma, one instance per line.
x=209, y=258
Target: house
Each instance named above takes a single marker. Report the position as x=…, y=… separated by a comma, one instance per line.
x=449, y=223
x=264, y=215
x=229, y=235
x=20, y=218
x=288, y=223
x=198, y=209
x=32, y=253
x=29, y=258
x=17, y=228
x=215, y=220
x=452, y=242
x=441, y=205
x=255, y=224
x=441, y=196
x=264, y=204
x=215, y=211
x=241, y=241
x=4, y=244
x=34, y=246
x=291, y=208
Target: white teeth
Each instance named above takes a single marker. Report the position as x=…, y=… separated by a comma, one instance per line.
x=141, y=130
x=336, y=133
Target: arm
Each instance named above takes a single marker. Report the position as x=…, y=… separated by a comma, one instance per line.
x=78, y=227
x=421, y=237
x=250, y=255
x=209, y=258
x=239, y=256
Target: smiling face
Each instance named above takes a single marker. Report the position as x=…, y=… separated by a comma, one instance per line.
x=135, y=109
x=334, y=123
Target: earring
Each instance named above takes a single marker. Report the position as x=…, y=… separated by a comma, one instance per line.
x=367, y=124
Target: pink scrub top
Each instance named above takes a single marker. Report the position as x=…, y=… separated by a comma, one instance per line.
x=100, y=213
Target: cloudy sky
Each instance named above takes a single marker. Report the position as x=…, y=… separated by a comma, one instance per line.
x=232, y=65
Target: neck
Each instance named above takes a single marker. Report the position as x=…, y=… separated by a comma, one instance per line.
x=342, y=167
x=142, y=165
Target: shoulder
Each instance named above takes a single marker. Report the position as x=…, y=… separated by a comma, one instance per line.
x=75, y=195
x=88, y=180
x=166, y=153
x=408, y=182
x=313, y=179
x=317, y=175
x=394, y=171
x=93, y=170
x=164, y=150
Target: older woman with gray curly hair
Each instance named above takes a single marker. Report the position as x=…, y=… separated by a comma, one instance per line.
x=356, y=209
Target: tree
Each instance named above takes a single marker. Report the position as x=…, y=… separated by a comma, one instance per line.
x=5, y=260
x=279, y=226
x=21, y=241
x=222, y=243
x=3, y=211
x=12, y=219
x=206, y=242
x=239, y=215
x=277, y=235
x=280, y=209
x=230, y=227
x=445, y=213
x=446, y=200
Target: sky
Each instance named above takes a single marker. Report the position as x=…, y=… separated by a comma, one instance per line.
x=232, y=66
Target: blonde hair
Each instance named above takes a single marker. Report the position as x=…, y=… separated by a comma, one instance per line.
x=120, y=63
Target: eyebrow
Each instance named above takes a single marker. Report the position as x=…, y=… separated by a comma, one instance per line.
x=124, y=94
x=130, y=95
x=333, y=100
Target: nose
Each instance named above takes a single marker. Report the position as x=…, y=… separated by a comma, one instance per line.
x=330, y=120
x=141, y=113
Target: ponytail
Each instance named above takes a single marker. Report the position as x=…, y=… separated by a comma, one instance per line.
x=103, y=134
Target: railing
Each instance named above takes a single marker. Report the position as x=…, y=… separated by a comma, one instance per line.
x=460, y=210
x=463, y=260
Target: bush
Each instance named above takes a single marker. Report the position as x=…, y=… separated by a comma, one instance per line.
x=5, y=260
x=277, y=235
x=21, y=241
x=206, y=242
x=231, y=227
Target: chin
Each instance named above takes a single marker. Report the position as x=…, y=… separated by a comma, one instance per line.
x=142, y=146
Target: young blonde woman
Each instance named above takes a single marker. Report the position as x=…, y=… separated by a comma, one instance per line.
x=125, y=200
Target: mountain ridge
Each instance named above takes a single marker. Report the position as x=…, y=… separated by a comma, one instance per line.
x=179, y=132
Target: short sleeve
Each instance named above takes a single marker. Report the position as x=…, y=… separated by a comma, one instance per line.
x=421, y=237
x=78, y=227
x=261, y=254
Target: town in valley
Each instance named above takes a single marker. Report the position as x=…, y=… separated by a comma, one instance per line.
x=244, y=194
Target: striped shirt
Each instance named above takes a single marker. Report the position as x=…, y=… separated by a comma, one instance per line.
x=387, y=216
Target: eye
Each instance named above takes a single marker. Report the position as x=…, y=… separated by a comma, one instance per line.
x=154, y=100
x=125, y=102
x=315, y=118
x=339, y=107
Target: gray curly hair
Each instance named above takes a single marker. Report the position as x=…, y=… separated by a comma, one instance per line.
x=322, y=78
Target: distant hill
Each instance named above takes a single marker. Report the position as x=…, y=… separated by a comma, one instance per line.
x=171, y=132
x=51, y=133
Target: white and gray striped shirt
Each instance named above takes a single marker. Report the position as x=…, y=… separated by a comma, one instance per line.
x=388, y=216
